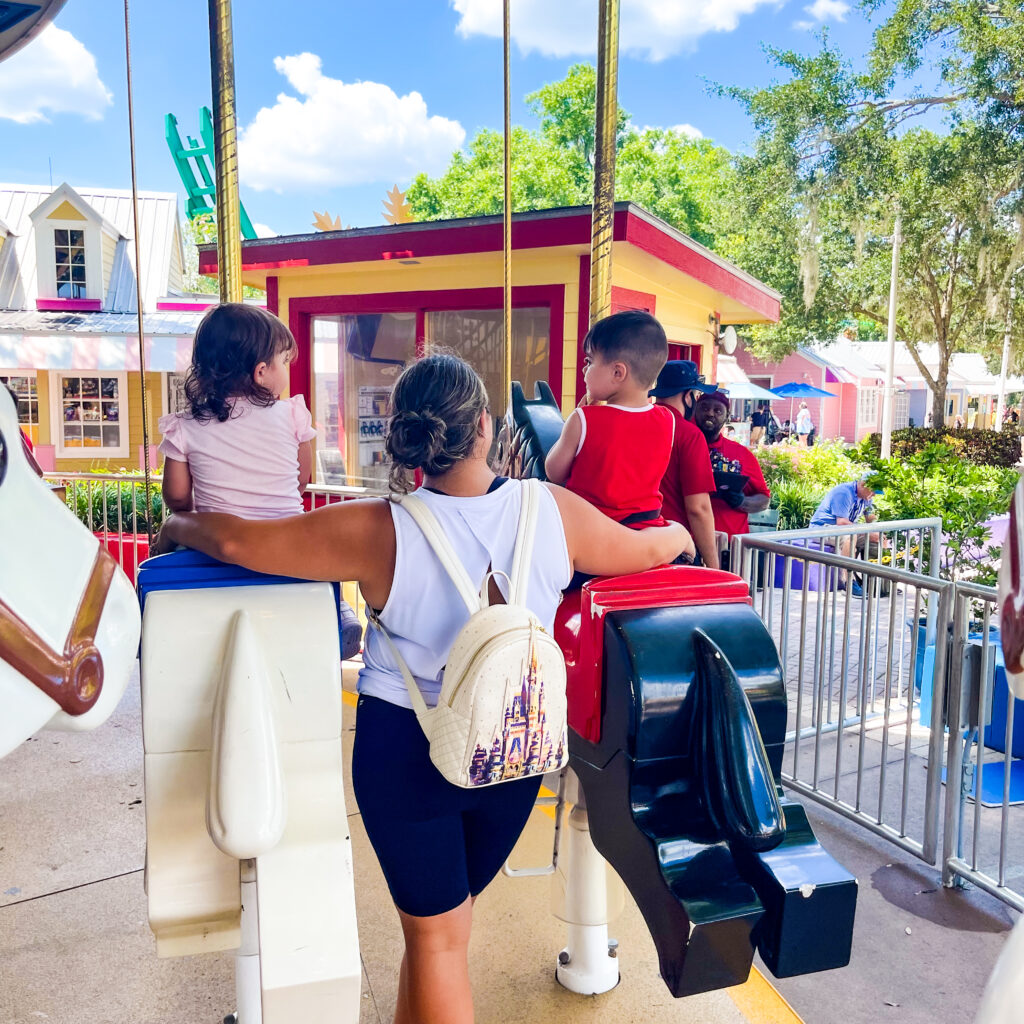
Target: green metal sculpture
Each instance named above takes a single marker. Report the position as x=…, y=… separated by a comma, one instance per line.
x=198, y=179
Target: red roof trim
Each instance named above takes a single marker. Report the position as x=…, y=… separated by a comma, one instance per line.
x=537, y=230
x=699, y=264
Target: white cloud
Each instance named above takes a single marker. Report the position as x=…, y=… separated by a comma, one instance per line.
x=822, y=11
x=336, y=133
x=54, y=74
x=655, y=29
x=686, y=130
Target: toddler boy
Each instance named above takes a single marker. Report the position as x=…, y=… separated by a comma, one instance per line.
x=615, y=455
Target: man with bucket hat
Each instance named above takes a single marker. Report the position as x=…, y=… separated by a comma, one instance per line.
x=688, y=481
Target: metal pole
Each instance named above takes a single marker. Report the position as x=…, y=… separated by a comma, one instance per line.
x=1005, y=367
x=890, y=365
x=506, y=376
x=607, y=119
x=147, y=502
x=225, y=145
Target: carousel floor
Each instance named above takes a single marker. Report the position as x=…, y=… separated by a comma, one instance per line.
x=75, y=947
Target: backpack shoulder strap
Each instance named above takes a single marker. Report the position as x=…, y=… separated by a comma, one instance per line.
x=435, y=536
x=526, y=532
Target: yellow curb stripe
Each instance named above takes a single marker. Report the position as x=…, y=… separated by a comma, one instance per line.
x=761, y=1003
x=757, y=999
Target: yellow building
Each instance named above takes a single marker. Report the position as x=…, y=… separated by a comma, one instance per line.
x=363, y=302
x=69, y=325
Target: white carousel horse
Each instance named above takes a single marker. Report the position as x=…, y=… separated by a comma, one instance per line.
x=247, y=840
x=69, y=621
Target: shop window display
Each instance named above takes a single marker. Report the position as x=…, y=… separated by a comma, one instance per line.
x=26, y=393
x=90, y=410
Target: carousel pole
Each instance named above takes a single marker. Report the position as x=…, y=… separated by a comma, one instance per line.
x=588, y=964
x=225, y=145
x=606, y=129
x=147, y=501
x=506, y=373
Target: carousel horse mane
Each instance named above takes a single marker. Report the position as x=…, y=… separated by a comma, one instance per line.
x=530, y=428
x=69, y=623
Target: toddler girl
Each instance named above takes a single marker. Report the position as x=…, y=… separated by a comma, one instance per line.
x=240, y=448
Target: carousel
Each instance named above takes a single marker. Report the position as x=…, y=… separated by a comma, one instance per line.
x=677, y=716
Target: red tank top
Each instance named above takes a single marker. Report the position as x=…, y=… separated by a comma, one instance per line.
x=622, y=455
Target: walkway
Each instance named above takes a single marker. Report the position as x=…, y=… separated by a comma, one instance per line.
x=75, y=947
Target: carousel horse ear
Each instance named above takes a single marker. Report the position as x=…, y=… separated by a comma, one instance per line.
x=69, y=622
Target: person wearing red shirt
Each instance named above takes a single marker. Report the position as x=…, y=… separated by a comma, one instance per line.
x=731, y=507
x=614, y=455
x=688, y=481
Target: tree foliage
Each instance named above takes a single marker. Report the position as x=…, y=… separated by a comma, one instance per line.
x=834, y=162
x=682, y=180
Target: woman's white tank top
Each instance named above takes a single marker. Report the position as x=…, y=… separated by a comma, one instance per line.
x=424, y=611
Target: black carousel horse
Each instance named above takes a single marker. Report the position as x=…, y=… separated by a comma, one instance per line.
x=677, y=713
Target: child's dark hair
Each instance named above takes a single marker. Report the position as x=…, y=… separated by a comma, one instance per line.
x=634, y=338
x=232, y=340
x=435, y=417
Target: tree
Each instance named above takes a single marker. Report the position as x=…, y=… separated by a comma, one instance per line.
x=832, y=166
x=682, y=180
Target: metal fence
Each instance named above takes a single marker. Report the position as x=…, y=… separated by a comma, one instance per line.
x=879, y=655
x=113, y=506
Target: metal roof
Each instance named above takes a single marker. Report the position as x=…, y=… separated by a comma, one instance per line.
x=158, y=234
x=162, y=322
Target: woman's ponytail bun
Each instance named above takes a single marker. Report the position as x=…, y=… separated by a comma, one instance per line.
x=436, y=407
x=415, y=438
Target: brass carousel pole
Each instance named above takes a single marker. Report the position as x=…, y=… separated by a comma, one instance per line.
x=148, y=502
x=225, y=145
x=607, y=116
x=506, y=373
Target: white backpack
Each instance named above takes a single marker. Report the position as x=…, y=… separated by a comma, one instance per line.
x=501, y=713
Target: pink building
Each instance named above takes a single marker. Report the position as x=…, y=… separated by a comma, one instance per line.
x=856, y=383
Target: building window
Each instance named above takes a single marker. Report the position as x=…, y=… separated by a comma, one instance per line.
x=91, y=414
x=867, y=407
x=478, y=336
x=175, y=400
x=26, y=394
x=357, y=357
x=69, y=256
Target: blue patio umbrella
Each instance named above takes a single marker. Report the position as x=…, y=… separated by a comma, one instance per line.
x=797, y=389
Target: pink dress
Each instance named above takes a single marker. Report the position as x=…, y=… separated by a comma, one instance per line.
x=248, y=465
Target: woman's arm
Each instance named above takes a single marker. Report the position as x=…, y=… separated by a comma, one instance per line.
x=352, y=540
x=305, y=465
x=558, y=463
x=601, y=546
x=177, y=486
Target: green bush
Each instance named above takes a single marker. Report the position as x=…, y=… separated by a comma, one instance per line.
x=796, y=501
x=117, y=506
x=982, y=447
x=935, y=481
x=778, y=465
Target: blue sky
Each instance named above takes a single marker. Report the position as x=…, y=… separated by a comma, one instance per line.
x=327, y=98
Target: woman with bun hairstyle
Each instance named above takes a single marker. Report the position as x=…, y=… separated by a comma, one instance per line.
x=438, y=845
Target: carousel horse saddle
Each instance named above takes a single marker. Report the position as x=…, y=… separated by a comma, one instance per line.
x=677, y=715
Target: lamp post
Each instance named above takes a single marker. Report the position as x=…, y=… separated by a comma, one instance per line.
x=1004, y=368
x=890, y=362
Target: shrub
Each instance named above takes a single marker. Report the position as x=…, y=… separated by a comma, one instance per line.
x=934, y=482
x=796, y=501
x=982, y=447
x=778, y=465
x=116, y=505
